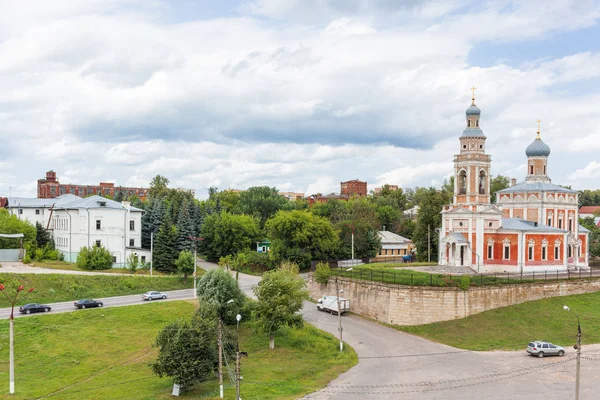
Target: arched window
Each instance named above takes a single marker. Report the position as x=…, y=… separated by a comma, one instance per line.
x=531, y=170
x=482, y=182
x=462, y=182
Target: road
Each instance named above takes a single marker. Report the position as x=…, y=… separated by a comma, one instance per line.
x=396, y=365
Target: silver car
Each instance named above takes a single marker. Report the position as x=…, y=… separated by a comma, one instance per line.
x=154, y=296
x=541, y=348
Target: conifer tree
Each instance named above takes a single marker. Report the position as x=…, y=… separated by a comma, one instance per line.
x=185, y=229
x=165, y=248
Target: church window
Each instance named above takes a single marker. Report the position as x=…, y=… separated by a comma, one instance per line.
x=462, y=182
x=531, y=170
x=482, y=180
x=469, y=123
x=506, y=252
x=556, y=252
x=464, y=146
x=560, y=223
x=490, y=224
x=477, y=123
x=578, y=251
x=570, y=224
x=569, y=251
x=549, y=219
x=490, y=254
x=544, y=170
x=481, y=146
x=530, y=253
x=544, y=253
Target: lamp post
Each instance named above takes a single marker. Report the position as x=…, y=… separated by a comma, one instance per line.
x=351, y=226
x=337, y=289
x=220, y=344
x=195, y=239
x=13, y=301
x=238, y=318
x=578, y=347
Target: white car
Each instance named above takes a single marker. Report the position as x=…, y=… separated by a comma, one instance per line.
x=154, y=296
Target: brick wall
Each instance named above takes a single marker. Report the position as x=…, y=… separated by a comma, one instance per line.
x=414, y=305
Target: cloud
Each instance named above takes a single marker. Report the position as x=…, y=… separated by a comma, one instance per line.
x=591, y=171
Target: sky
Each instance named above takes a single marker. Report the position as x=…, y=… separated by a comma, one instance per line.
x=294, y=94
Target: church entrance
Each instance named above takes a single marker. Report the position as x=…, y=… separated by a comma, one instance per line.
x=462, y=255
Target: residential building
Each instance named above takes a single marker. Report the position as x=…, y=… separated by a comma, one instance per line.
x=353, y=188
x=36, y=210
x=292, y=196
x=50, y=187
x=380, y=189
x=411, y=213
x=589, y=211
x=393, y=245
x=534, y=225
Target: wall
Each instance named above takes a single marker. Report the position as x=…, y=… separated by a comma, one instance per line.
x=416, y=305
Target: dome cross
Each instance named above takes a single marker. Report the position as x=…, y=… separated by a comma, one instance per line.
x=473, y=90
x=538, y=131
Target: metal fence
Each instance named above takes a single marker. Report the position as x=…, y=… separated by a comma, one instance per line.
x=413, y=278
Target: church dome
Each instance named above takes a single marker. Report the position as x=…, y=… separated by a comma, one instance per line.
x=538, y=149
x=473, y=110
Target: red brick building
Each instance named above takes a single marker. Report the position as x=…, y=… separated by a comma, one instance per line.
x=353, y=188
x=50, y=187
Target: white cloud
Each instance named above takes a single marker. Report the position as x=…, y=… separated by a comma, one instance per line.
x=591, y=171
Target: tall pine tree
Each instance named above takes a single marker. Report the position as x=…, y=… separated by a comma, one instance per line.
x=165, y=248
x=185, y=229
x=147, y=224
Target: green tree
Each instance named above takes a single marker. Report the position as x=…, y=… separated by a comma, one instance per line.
x=94, y=258
x=366, y=239
x=43, y=237
x=227, y=233
x=11, y=224
x=185, y=264
x=185, y=229
x=589, y=197
x=300, y=236
x=388, y=216
x=216, y=288
x=187, y=352
x=497, y=183
x=322, y=272
x=262, y=202
x=429, y=218
x=165, y=248
x=132, y=263
x=594, y=236
x=280, y=296
x=158, y=187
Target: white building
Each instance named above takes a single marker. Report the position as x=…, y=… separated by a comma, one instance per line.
x=77, y=222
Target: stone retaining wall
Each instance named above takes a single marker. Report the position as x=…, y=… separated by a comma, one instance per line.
x=416, y=305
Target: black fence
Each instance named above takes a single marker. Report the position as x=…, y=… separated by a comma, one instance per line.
x=413, y=278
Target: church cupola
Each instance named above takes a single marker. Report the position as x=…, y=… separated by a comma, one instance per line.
x=472, y=138
x=537, y=159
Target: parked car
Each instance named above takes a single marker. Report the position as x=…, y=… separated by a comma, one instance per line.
x=88, y=303
x=541, y=348
x=34, y=307
x=154, y=296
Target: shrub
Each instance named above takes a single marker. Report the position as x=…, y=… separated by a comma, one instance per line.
x=465, y=282
x=249, y=260
x=38, y=254
x=94, y=258
x=27, y=259
x=322, y=272
x=53, y=255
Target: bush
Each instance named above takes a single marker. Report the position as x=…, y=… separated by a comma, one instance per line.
x=249, y=260
x=322, y=272
x=94, y=258
x=38, y=254
x=53, y=255
x=465, y=282
x=27, y=259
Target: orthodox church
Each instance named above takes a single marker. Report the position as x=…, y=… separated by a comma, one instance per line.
x=532, y=227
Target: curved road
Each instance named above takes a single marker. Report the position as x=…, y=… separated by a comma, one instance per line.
x=396, y=365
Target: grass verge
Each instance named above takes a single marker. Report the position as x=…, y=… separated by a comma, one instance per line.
x=63, y=265
x=55, y=358
x=50, y=288
x=512, y=327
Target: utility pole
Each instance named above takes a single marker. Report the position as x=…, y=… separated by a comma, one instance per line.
x=151, y=251
x=429, y=243
x=352, y=243
x=578, y=371
x=337, y=289
x=13, y=301
x=195, y=239
x=238, y=378
x=220, y=333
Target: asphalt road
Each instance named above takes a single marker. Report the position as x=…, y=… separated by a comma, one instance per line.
x=118, y=301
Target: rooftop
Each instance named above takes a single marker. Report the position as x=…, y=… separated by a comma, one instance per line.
x=517, y=224
x=95, y=202
x=390, y=237
x=25, y=202
x=529, y=186
x=589, y=209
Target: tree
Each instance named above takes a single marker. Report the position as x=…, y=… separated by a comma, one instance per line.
x=11, y=224
x=165, y=248
x=262, y=202
x=185, y=229
x=185, y=264
x=594, y=235
x=227, y=233
x=498, y=183
x=280, y=296
x=132, y=263
x=300, y=236
x=429, y=218
x=43, y=237
x=158, y=187
x=366, y=239
x=589, y=197
x=94, y=258
x=216, y=288
x=119, y=196
x=187, y=351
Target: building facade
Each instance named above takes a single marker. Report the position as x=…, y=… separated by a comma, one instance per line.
x=50, y=187
x=393, y=245
x=378, y=190
x=353, y=188
x=534, y=225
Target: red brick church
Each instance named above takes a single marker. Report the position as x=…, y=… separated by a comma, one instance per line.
x=532, y=227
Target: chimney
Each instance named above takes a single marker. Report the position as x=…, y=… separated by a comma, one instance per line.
x=126, y=205
x=513, y=182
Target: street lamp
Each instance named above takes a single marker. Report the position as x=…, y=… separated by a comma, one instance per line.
x=337, y=289
x=238, y=318
x=13, y=301
x=351, y=226
x=578, y=347
x=220, y=343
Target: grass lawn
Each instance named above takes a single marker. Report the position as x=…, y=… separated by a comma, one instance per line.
x=55, y=357
x=50, y=288
x=511, y=328
x=398, y=264
x=63, y=265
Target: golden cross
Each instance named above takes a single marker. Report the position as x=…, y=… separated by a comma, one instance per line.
x=473, y=90
x=538, y=131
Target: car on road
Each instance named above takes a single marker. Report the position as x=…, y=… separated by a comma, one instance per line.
x=34, y=307
x=154, y=296
x=88, y=303
x=541, y=348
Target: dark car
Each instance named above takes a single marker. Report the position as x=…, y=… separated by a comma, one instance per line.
x=34, y=307
x=88, y=303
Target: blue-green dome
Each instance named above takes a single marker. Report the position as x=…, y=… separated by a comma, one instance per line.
x=473, y=132
x=538, y=149
x=473, y=110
